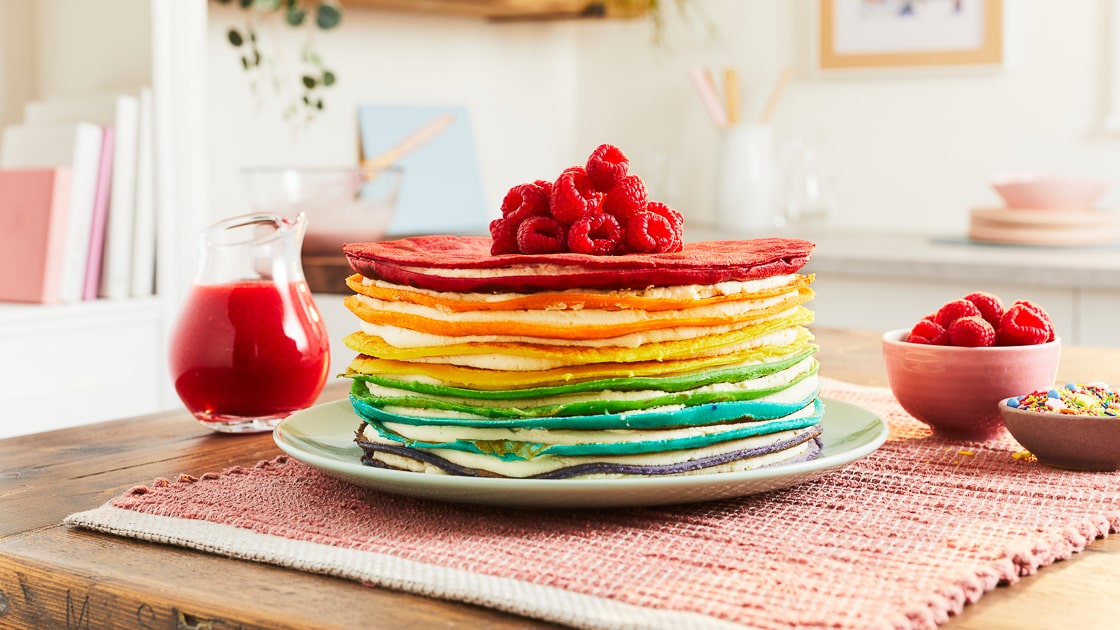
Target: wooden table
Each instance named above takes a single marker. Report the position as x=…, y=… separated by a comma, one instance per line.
x=52, y=576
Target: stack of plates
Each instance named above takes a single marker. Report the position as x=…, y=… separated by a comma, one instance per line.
x=1043, y=227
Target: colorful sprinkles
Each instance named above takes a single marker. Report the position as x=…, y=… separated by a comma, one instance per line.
x=1092, y=399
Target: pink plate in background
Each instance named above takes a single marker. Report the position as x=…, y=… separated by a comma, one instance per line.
x=1049, y=191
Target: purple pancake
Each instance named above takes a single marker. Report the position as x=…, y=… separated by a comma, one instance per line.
x=427, y=262
x=802, y=435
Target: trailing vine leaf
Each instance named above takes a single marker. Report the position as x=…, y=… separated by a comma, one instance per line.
x=312, y=77
x=687, y=9
x=295, y=16
x=328, y=16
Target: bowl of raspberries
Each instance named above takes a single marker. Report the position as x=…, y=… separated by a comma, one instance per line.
x=952, y=368
x=598, y=208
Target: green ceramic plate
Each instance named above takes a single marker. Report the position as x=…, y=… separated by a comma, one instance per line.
x=322, y=437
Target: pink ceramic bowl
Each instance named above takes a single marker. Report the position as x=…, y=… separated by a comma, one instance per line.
x=957, y=391
x=1042, y=191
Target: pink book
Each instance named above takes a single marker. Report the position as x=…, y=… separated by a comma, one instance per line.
x=33, y=209
x=100, y=216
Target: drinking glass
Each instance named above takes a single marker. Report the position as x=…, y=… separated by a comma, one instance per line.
x=808, y=199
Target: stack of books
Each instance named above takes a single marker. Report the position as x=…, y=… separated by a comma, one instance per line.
x=77, y=200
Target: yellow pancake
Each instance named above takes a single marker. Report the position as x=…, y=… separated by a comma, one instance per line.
x=575, y=355
x=573, y=325
x=474, y=378
x=574, y=299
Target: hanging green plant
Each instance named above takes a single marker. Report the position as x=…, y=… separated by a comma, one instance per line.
x=304, y=93
x=688, y=10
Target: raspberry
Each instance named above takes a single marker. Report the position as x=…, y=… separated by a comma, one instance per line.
x=524, y=201
x=928, y=332
x=991, y=307
x=649, y=233
x=1022, y=325
x=675, y=220
x=952, y=311
x=625, y=198
x=597, y=234
x=1041, y=313
x=574, y=197
x=972, y=332
x=606, y=166
x=542, y=235
x=504, y=235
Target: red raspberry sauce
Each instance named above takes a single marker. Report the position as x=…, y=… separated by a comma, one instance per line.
x=249, y=349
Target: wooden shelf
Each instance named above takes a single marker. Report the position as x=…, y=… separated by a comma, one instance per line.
x=510, y=10
x=327, y=274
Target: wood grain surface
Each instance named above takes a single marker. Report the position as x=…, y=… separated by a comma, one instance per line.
x=53, y=576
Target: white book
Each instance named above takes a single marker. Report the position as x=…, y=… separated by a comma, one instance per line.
x=76, y=146
x=120, y=111
x=144, y=228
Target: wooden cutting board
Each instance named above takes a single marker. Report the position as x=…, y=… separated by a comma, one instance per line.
x=1043, y=227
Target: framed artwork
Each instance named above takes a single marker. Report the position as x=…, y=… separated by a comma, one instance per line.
x=860, y=34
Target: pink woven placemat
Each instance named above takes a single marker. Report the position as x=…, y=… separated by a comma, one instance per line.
x=900, y=539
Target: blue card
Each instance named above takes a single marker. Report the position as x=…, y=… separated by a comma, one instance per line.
x=441, y=191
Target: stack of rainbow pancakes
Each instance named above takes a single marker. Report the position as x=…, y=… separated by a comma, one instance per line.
x=474, y=360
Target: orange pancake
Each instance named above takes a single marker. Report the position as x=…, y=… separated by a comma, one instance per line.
x=572, y=299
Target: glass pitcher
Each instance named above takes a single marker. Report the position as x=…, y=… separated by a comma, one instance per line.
x=249, y=347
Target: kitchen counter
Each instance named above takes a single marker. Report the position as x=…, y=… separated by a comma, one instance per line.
x=934, y=257
x=887, y=280
x=917, y=256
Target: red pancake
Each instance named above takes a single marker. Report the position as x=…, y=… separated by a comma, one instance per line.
x=431, y=262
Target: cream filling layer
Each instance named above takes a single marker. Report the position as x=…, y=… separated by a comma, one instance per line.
x=499, y=272
x=549, y=463
x=796, y=393
x=576, y=318
x=431, y=380
x=406, y=338
x=679, y=292
x=497, y=361
x=770, y=381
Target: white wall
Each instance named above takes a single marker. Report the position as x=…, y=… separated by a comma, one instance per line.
x=17, y=71
x=517, y=80
x=907, y=150
x=77, y=52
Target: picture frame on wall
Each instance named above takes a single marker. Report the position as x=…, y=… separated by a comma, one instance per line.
x=885, y=34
